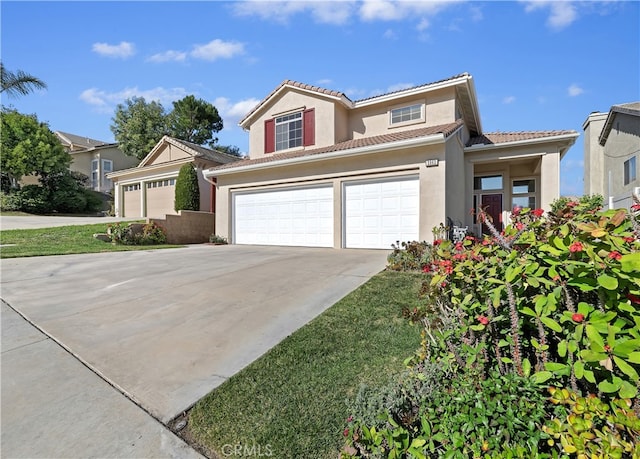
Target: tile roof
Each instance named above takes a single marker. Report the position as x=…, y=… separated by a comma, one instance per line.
x=493, y=138
x=444, y=129
x=455, y=77
x=207, y=153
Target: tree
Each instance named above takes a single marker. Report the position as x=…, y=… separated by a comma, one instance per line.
x=138, y=126
x=229, y=149
x=29, y=148
x=187, y=195
x=18, y=83
x=194, y=120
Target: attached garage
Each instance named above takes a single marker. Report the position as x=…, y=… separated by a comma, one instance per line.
x=381, y=212
x=161, y=197
x=131, y=201
x=301, y=216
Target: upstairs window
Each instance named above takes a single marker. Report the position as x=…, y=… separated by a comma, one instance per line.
x=403, y=115
x=95, y=173
x=290, y=131
x=630, y=170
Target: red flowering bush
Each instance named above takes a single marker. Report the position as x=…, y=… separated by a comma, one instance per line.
x=554, y=299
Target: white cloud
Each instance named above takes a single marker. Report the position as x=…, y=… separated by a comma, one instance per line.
x=105, y=102
x=389, y=34
x=217, y=49
x=574, y=90
x=232, y=113
x=423, y=25
x=561, y=13
x=399, y=87
x=325, y=82
x=168, y=56
x=387, y=10
x=325, y=12
x=122, y=50
x=509, y=100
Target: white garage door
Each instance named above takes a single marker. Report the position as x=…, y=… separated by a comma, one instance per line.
x=292, y=216
x=379, y=213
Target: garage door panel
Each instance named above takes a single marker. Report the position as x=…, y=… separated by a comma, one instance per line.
x=296, y=216
x=377, y=214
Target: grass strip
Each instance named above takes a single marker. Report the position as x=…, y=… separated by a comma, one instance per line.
x=293, y=401
x=61, y=240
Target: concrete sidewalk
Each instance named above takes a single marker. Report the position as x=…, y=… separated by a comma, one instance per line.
x=54, y=406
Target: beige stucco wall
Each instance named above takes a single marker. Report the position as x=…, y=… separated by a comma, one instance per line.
x=622, y=143
x=290, y=101
x=371, y=120
x=593, y=155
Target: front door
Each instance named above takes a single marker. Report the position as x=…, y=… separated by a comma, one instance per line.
x=492, y=205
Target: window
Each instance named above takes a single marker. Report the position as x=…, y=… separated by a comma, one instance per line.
x=107, y=167
x=290, y=131
x=134, y=187
x=630, y=170
x=490, y=182
x=94, y=173
x=406, y=114
x=523, y=193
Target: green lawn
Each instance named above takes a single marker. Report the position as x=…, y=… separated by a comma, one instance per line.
x=292, y=402
x=61, y=240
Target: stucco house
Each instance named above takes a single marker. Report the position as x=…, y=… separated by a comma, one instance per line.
x=148, y=190
x=95, y=159
x=611, y=150
x=325, y=170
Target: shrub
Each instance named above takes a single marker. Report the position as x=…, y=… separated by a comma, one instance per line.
x=35, y=199
x=10, y=201
x=187, y=194
x=593, y=428
x=150, y=234
x=409, y=256
x=215, y=239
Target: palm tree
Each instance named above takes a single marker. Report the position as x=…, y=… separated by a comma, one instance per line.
x=19, y=83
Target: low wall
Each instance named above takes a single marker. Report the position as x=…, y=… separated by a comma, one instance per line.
x=188, y=227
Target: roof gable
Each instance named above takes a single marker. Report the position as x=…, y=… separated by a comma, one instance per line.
x=632, y=108
x=186, y=149
x=77, y=142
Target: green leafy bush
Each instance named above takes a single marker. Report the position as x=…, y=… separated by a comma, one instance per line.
x=215, y=239
x=149, y=234
x=551, y=300
x=593, y=428
x=10, y=201
x=187, y=194
x=35, y=199
x=409, y=256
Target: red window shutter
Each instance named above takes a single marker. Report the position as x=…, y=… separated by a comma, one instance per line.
x=270, y=136
x=309, y=127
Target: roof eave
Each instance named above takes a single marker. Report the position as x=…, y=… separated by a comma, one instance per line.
x=570, y=138
x=389, y=146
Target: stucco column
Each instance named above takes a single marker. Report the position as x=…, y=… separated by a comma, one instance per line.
x=549, y=179
x=143, y=198
x=432, y=199
x=117, y=200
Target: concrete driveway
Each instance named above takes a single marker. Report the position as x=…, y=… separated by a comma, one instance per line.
x=166, y=327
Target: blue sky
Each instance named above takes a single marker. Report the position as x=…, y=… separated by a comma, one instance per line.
x=536, y=65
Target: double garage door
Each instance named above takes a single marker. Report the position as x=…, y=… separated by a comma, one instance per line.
x=374, y=214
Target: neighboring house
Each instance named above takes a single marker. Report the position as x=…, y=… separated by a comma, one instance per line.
x=324, y=170
x=95, y=159
x=91, y=157
x=611, y=151
x=148, y=190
